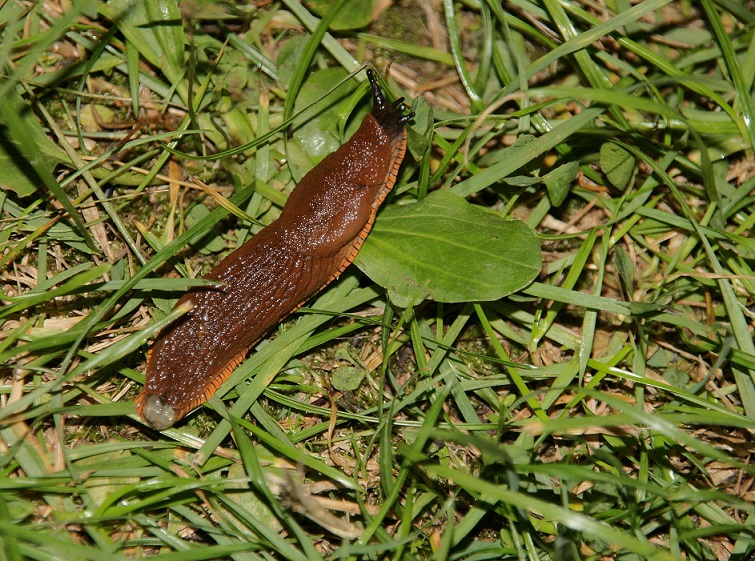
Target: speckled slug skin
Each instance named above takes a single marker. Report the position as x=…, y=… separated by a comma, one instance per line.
x=318, y=234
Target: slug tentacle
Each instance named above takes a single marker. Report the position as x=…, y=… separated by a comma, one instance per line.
x=318, y=234
x=377, y=93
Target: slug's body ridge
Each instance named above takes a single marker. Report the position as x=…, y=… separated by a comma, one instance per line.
x=318, y=234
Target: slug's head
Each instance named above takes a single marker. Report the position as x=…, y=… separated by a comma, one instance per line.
x=390, y=115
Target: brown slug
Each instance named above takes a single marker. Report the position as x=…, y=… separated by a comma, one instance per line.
x=321, y=227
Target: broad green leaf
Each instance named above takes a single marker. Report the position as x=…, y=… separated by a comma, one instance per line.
x=318, y=137
x=155, y=28
x=289, y=56
x=17, y=165
x=625, y=266
x=207, y=242
x=101, y=488
x=347, y=378
x=677, y=378
x=448, y=250
x=617, y=164
x=558, y=182
x=354, y=15
x=244, y=497
x=420, y=131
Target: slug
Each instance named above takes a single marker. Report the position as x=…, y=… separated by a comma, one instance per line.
x=320, y=229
